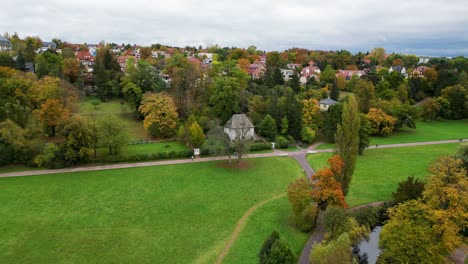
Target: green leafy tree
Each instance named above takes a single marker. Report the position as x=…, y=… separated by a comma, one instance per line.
x=133, y=94
x=462, y=154
x=347, y=141
x=48, y=63
x=226, y=97
x=276, y=250
x=331, y=120
x=196, y=135
x=78, y=141
x=307, y=135
x=328, y=74
x=112, y=134
x=334, y=252
x=305, y=210
x=267, y=128
x=107, y=74
x=365, y=131
x=334, y=92
x=410, y=189
x=457, y=97
x=6, y=60
x=284, y=125
x=295, y=84
x=364, y=92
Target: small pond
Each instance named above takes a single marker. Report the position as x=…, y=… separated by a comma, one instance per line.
x=371, y=246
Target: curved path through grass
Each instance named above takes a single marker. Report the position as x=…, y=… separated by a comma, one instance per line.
x=240, y=225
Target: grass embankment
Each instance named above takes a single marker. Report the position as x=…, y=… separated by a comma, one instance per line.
x=379, y=171
x=121, y=110
x=162, y=214
x=425, y=131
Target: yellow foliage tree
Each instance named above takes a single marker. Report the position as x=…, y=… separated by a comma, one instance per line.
x=381, y=123
x=160, y=114
x=311, y=116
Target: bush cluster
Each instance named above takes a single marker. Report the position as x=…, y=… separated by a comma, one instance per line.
x=259, y=146
x=150, y=156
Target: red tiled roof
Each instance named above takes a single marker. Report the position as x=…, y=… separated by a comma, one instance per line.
x=84, y=56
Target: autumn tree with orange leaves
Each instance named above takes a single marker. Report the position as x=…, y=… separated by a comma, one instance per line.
x=326, y=190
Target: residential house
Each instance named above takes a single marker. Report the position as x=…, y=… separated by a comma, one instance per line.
x=29, y=67
x=423, y=59
x=5, y=44
x=239, y=126
x=293, y=66
x=419, y=71
x=166, y=78
x=47, y=46
x=400, y=69
x=348, y=74
x=287, y=74
x=86, y=59
x=93, y=49
x=326, y=103
x=308, y=72
x=256, y=70
x=207, y=58
x=158, y=54
x=122, y=60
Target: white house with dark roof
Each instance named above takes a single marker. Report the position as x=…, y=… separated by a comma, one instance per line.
x=5, y=44
x=326, y=103
x=400, y=69
x=239, y=125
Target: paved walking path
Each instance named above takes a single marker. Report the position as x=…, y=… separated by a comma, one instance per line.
x=181, y=161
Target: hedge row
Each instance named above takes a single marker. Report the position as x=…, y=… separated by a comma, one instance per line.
x=150, y=156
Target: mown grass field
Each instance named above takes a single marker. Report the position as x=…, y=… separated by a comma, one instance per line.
x=425, y=131
x=379, y=171
x=121, y=110
x=275, y=215
x=162, y=214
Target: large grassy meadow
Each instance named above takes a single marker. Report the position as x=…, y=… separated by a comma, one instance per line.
x=379, y=171
x=163, y=214
x=425, y=131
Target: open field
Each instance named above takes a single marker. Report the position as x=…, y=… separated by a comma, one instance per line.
x=379, y=171
x=121, y=110
x=425, y=131
x=162, y=214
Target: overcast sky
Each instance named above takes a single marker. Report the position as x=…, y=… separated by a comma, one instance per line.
x=422, y=27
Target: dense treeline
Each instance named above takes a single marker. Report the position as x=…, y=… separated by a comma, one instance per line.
x=206, y=95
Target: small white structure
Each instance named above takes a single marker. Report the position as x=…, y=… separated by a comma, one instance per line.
x=239, y=126
x=325, y=104
x=400, y=69
x=287, y=74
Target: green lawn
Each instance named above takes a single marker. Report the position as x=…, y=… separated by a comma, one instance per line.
x=161, y=214
x=379, y=171
x=425, y=131
x=122, y=111
x=275, y=215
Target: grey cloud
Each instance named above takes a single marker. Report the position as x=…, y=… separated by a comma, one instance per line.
x=421, y=27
